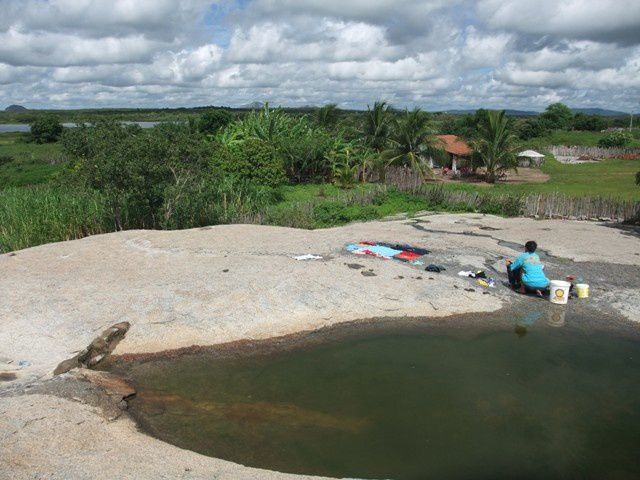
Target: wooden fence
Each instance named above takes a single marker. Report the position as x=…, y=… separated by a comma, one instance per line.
x=556, y=205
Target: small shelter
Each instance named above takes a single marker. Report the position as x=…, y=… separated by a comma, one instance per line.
x=457, y=150
x=530, y=158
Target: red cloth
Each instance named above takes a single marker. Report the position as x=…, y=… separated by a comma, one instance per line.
x=408, y=256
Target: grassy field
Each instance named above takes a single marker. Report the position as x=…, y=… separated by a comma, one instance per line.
x=608, y=178
x=23, y=163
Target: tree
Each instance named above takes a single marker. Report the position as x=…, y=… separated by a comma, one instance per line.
x=345, y=163
x=496, y=145
x=557, y=116
x=377, y=126
x=214, y=120
x=327, y=116
x=46, y=129
x=412, y=142
x=142, y=174
x=530, y=128
x=593, y=123
x=253, y=160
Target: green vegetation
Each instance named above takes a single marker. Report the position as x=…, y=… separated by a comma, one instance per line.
x=615, y=139
x=34, y=215
x=496, y=145
x=214, y=120
x=411, y=141
x=613, y=178
x=557, y=116
x=272, y=167
x=23, y=163
x=573, y=137
x=45, y=129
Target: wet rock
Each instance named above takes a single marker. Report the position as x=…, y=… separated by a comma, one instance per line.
x=116, y=387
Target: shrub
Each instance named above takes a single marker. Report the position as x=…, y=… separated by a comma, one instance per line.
x=615, y=139
x=212, y=201
x=594, y=123
x=138, y=171
x=253, y=160
x=530, y=128
x=212, y=121
x=46, y=129
x=303, y=146
x=327, y=214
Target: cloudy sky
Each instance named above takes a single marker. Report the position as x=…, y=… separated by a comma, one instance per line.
x=438, y=54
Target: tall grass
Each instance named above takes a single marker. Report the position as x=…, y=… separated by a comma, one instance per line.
x=32, y=216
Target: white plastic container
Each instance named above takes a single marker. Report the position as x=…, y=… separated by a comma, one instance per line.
x=559, y=291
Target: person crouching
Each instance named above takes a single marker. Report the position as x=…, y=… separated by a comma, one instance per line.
x=526, y=272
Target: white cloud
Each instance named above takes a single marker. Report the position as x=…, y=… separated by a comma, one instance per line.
x=612, y=20
x=439, y=54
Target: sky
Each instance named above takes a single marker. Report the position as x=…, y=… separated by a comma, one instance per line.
x=435, y=54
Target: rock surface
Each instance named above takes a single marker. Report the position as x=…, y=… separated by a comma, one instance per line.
x=228, y=283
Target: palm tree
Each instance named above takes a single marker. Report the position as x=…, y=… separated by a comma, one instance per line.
x=496, y=145
x=377, y=126
x=412, y=142
x=327, y=116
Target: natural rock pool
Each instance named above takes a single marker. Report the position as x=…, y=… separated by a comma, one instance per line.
x=540, y=395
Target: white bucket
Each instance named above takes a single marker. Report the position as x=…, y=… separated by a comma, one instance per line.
x=559, y=291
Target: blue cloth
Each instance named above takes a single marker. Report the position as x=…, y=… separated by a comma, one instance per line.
x=532, y=270
x=383, y=251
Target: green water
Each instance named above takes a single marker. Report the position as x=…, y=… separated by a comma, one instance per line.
x=526, y=401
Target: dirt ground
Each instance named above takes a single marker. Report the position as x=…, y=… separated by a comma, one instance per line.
x=523, y=175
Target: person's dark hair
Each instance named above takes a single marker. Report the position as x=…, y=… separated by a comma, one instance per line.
x=530, y=246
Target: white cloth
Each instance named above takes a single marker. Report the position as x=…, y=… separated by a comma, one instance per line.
x=308, y=256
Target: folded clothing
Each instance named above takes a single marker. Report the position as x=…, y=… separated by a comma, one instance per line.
x=407, y=256
x=404, y=253
x=406, y=248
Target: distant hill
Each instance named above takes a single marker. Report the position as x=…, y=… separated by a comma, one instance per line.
x=253, y=106
x=527, y=113
x=15, y=108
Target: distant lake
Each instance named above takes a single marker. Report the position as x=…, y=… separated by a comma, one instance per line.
x=21, y=127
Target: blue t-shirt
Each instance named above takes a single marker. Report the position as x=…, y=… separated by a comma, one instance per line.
x=532, y=270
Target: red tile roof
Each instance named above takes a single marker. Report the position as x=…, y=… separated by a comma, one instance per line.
x=455, y=145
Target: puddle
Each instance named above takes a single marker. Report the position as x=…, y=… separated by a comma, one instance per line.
x=542, y=395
